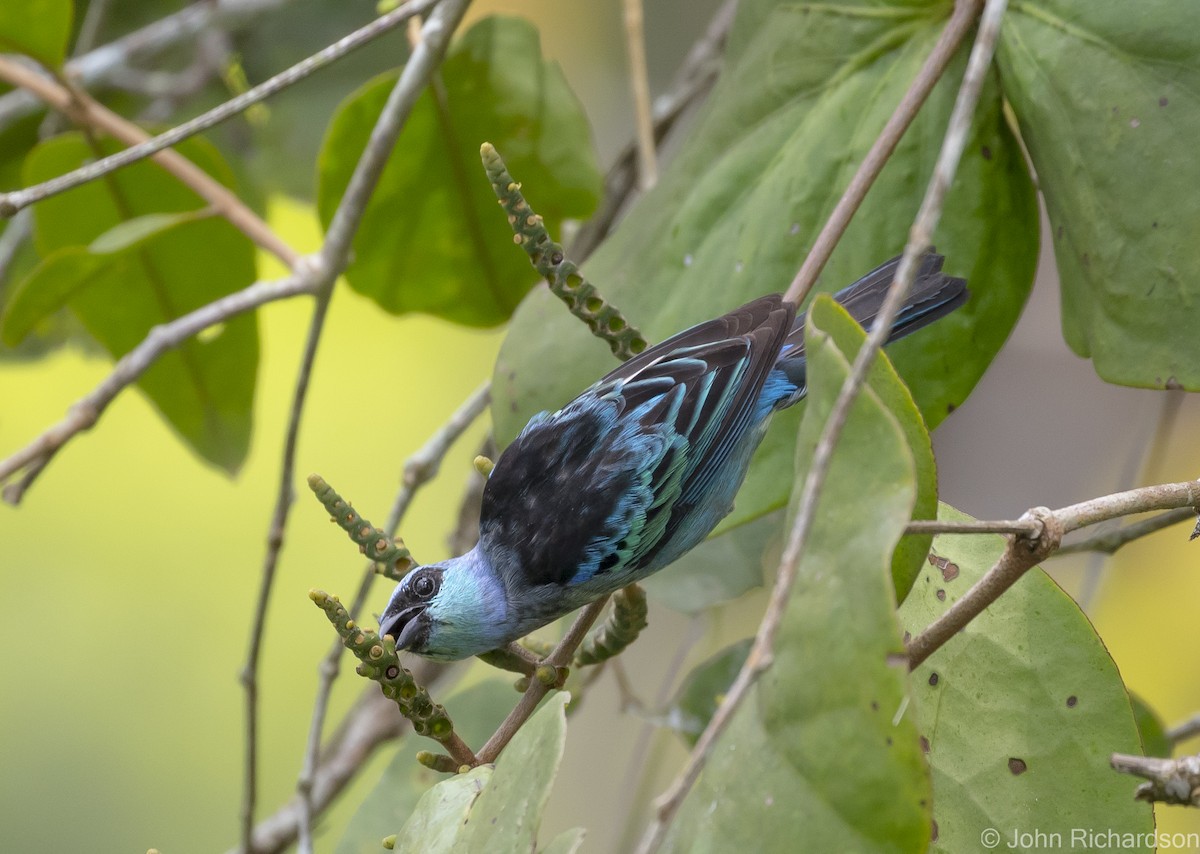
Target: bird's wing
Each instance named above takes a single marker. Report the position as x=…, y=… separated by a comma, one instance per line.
x=603, y=482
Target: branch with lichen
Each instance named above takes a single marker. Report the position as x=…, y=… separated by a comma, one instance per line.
x=561, y=274
x=624, y=624
x=381, y=662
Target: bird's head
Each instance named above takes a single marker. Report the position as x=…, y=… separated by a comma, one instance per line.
x=449, y=610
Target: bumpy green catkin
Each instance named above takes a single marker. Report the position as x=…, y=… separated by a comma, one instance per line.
x=380, y=662
x=561, y=274
x=622, y=627
x=391, y=557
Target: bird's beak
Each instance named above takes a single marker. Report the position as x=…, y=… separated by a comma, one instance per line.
x=408, y=627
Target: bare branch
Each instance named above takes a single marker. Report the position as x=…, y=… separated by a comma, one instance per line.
x=1183, y=731
x=144, y=146
x=695, y=78
x=761, y=653
x=1108, y=542
x=1171, y=781
x=82, y=110
x=373, y=721
x=559, y=658
x=974, y=526
x=1029, y=548
x=95, y=68
x=87, y=410
x=426, y=56
x=635, y=48
x=960, y=23
x=285, y=495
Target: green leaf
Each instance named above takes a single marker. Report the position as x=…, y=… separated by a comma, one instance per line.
x=721, y=568
x=1110, y=112
x=432, y=239
x=848, y=336
x=130, y=233
x=1151, y=729
x=36, y=28
x=702, y=691
x=164, y=256
x=442, y=813
x=478, y=710
x=804, y=92
x=49, y=287
x=1020, y=710
x=827, y=746
x=508, y=814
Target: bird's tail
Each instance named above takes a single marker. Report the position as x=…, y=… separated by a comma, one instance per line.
x=933, y=296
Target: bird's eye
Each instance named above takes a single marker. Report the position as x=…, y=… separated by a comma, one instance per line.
x=424, y=586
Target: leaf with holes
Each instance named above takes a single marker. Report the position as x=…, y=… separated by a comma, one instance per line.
x=826, y=742
x=432, y=238
x=1020, y=710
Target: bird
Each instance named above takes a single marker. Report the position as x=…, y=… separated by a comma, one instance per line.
x=631, y=474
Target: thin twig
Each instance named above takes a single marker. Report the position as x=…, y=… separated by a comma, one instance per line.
x=334, y=253
x=420, y=468
x=1183, y=731
x=94, y=68
x=373, y=721
x=920, y=237
x=694, y=80
x=635, y=47
x=1108, y=542
x=87, y=410
x=538, y=689
x=960, y=23
x=145, y=146
x=284, y=497
x=82, y=110
x=1026, y=550
x=18, y=230
x=974, y=526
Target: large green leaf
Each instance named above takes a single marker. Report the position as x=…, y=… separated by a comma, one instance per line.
x=155, y=256
x=477, y=711
x=848, y=336
x=825, y=747
x=37, y=28
x=805, y=90
x=432, y=238
x=1107, y=94
x=505, y=816
x=1020, y=710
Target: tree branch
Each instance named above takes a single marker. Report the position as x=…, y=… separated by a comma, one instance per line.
x=144, y=146
x=538, y=688
x=1025, y=550
x=425, y=57
x=285, y=495
x=1108, y=542
x=761, y=653
x=1183, y=731
x=82, y=110
x=635, y=48
x=1171, y=781
x=88, y=409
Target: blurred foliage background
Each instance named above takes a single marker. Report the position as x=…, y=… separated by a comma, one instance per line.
x=130, y=571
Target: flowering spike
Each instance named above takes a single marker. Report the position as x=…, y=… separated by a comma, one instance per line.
x=561, y=274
